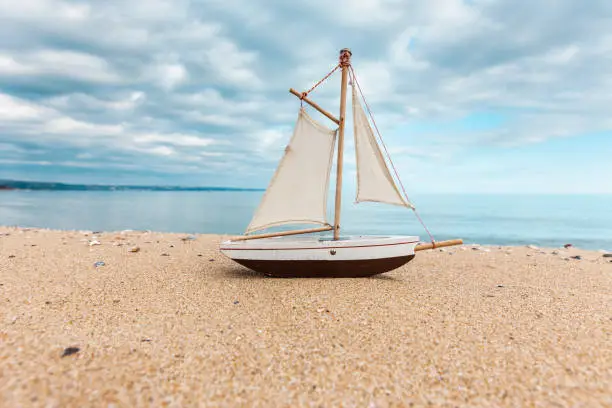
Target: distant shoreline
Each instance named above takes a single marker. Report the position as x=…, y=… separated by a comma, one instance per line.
x=11, y=185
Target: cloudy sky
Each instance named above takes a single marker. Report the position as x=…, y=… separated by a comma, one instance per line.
x=470, y=95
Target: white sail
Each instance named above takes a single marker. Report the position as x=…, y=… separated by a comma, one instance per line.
x=297, y=193
x=374, y=182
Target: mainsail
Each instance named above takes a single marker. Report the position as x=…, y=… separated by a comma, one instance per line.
x=374, y=182
x=297, y=193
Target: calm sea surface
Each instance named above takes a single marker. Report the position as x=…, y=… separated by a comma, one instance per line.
x=544, y=220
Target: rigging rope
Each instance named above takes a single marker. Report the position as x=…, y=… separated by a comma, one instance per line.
x=305, y=94
x=354, y=78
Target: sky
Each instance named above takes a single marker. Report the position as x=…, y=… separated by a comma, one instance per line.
x=471, y=96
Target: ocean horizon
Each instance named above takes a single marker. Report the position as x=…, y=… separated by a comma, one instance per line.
x=547, y=220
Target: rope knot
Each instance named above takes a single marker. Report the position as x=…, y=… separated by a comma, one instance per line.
x=345, y=57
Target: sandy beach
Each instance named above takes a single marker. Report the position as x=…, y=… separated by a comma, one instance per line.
x=174, y=323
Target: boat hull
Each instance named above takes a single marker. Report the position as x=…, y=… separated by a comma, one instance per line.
x=320, y=257
x=323, y=269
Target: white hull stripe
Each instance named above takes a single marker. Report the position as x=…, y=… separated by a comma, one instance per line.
x=319, y=247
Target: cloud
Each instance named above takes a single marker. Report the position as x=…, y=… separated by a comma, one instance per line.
x=168, y=75
x=201, y=86
x=91, y=103
x=58, y=63
x=13, y=109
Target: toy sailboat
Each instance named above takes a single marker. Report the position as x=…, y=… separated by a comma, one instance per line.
x=297, y=194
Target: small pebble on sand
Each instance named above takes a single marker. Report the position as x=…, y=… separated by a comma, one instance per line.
x=70, y=351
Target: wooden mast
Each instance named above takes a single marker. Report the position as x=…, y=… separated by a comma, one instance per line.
x=345, y=62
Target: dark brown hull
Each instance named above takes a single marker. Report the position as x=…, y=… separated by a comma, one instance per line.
x=325, y=269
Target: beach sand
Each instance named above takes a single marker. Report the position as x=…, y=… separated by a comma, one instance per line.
x=177, y=324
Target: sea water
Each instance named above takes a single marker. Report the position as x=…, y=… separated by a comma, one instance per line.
x=544, y=220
